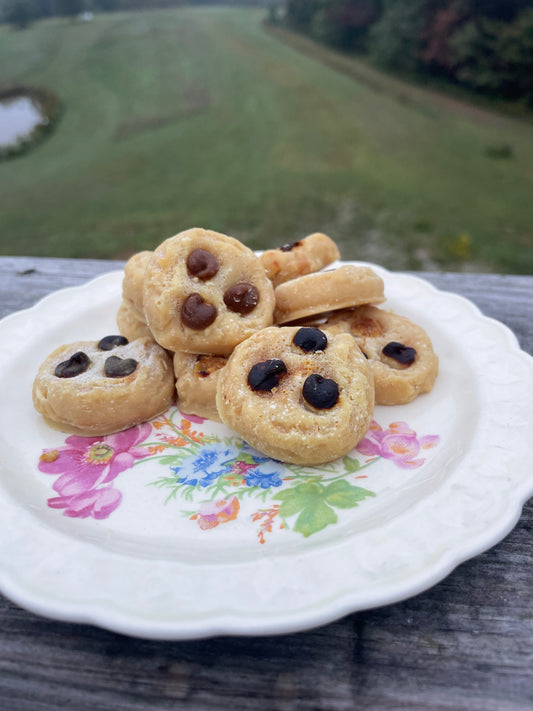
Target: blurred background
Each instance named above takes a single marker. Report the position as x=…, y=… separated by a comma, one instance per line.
x=401, y=128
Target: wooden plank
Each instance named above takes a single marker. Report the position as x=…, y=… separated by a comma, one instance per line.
x=466, y=644
x=26, y=280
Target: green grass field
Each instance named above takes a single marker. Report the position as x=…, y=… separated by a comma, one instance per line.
x=190, y=117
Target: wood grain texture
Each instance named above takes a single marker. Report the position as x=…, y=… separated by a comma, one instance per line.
x=467, y=643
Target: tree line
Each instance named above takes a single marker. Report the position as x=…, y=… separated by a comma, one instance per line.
x=21, y=13
x=484, y=45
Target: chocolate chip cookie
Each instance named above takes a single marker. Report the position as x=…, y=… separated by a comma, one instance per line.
x=329, y=290
x=96, y=388
x=400, y=352
x=295, y=259
x=297, y=394
x=196, y=383
x=205, y=292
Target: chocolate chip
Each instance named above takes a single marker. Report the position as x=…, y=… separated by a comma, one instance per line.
x=320, y=392
x=202, y=264
x=290, y=245
x=116, y=367
x=75, y=365
x=241, y=298
x=197, y=313
x=400, y=353
x=267, y=374
x=109, y=342
x=310, y=339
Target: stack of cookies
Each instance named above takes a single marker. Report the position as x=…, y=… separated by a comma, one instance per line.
x=289, y=354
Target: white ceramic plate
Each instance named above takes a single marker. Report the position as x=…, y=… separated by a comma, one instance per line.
x=177, y=530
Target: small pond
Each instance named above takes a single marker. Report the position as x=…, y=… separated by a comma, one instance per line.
x=19, y=116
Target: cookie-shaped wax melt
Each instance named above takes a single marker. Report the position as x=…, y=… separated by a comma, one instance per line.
x=295, y=259
x=329, y=290
x=196, y=383
x=132, y=283
x=400, y=352
x=205, y=292
x=131, y=322
x=97, y=388
x=297, y=394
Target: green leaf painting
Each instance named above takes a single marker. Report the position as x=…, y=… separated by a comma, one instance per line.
x=314, y=503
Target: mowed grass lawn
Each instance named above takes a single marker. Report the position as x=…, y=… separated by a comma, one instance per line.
x=187, y=117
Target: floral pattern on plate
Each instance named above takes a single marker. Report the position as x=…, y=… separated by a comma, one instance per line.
x=213, y=475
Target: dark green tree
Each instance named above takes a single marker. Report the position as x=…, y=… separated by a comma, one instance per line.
x=395, y=39
x=495, y=57
x=345, y=23
x=299, y=13
x=69, y=8
x=18, y=13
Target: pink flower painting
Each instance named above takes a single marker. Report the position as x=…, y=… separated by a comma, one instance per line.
x=87, y=467
x=213, y=513
x=398, y=442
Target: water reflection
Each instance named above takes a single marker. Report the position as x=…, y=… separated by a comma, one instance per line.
x=19, y=115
